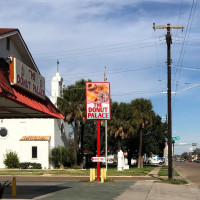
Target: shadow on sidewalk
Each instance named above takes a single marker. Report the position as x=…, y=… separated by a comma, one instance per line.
x=32, y=191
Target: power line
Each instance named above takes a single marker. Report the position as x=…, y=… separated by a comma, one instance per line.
x=185, y=41
x=186, y=68
x=83, y=54
x=187, y=32
x=111, y=71
x=91, y=48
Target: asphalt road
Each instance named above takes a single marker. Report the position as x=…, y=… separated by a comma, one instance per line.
x=190, y=170
x=68, y=187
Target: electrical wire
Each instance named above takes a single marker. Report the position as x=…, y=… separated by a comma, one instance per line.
x=111, y=71
x=83, y=54
x=92, y=48
x=184, y=44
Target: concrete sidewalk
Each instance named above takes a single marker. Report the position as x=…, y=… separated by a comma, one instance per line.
x=150, y=190
x=155, y=190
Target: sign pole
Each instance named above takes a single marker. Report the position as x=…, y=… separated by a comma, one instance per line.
x=106, y=140
x=98, y=149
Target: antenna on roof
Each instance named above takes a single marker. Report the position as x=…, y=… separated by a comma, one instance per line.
x=57, y=65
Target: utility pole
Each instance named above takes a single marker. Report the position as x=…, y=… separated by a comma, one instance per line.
x=169, y=42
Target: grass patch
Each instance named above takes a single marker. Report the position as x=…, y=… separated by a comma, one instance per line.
x=164, y=171
x=175, y=181
x=132, y=171
x=112, y=171
x=15, y=173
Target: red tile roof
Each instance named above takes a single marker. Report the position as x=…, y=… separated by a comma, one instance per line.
x=35, y=138
x=5, y=87
x=7, y=30
x=28, y=101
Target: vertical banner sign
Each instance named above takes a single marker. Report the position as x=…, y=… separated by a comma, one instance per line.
x=98, y=100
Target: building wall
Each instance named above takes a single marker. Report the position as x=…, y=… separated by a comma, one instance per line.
x=13, y=51
x=39, y=127
x=11, y=141
x=61, y=133
x=31, y=127
x=42, y=152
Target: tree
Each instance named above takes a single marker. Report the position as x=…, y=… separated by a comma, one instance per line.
x=120, y=126
x=61, y=156
x=72, y=105
x=186, y=156
x=142, y=114
x=154, y=137
x=196, y=152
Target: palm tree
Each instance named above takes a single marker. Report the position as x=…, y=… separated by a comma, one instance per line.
x=120, y=124
x=72, y=105
x=142, y=115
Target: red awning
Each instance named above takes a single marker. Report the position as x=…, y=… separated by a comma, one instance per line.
x=16, y=103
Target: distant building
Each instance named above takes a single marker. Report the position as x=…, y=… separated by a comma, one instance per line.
x=31, y=138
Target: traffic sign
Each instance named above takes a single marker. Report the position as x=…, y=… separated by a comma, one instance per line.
x=173, y=138
x=194, y=144
x=98, y=159
x=176, y=138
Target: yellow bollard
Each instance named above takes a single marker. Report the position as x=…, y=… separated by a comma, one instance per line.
x=91, y=177
x=105, y=174
x=93, y=174
x=102, y=175
x=14, y=188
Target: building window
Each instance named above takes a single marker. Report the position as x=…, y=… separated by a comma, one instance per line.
x=8, y=44
x=34, y=152
x=3, y=132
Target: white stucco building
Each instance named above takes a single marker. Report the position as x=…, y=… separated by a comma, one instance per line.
x=32, y=139
x=33, y=136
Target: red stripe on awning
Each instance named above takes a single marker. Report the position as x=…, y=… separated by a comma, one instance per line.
x=26, y=100
x=46, y=107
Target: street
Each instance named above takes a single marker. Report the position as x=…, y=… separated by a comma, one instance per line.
x=190, y=170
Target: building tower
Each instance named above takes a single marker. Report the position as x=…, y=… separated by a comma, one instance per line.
x=56, y=86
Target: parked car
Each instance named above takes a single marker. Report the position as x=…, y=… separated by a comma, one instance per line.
x=156, y=160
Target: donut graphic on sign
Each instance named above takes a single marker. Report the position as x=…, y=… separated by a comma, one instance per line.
x=98, y=100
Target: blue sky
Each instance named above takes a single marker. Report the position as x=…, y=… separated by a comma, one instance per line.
x=86, y=35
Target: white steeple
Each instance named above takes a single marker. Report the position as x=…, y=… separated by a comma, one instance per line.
x=56, y=86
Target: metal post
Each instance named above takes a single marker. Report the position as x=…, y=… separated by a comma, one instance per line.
x=98, y=149
x=106, y=136
x=106, y=145
x=173, y=141
x=14, y=188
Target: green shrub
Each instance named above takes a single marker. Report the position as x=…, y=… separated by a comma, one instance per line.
x=24, y=165
x=61, y=156
x=76, y=167
x=11, y=160
x=29, y=165
x=36, y=166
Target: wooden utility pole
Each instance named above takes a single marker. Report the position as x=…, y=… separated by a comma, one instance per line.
x=169, y=93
